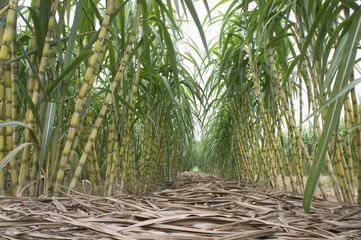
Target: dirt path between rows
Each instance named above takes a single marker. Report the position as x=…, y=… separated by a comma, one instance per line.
x=194, y=206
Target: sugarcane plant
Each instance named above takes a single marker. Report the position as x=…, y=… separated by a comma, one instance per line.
x=269, y=53
x=93, y=92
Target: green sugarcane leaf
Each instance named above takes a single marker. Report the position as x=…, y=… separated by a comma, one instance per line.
x=48, y=129
x=171, y=52
x=33, y=68
x=35, y=50
x=13, y=123
x=146, y=43
x=96, y=11
x=354, y=127
x=208, y=10
x=194, y=14
x=40, y=36
x=119, y=98
x=166, y=83
x=168, y=11
x=7, y=159
x=73, y=33
x=17, y=123
x=71, y=68
x=117, y=11
x=31, y=105
x=309, y=37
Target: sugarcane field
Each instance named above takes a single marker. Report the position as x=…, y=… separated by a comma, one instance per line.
x=180, y=119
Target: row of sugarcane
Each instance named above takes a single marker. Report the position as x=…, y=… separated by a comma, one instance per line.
x=271, y=53
x=78, y=104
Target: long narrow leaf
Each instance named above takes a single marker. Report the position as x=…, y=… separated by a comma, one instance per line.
x=7, y=159
x=70, y=69
x=194, y=14
x=13, y=123
x=73, y=33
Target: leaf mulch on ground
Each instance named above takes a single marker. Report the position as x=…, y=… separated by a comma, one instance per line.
x=193, y=206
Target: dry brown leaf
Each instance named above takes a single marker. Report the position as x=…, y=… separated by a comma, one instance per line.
x=193, y=207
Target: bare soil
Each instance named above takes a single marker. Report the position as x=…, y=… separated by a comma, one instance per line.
x=192, y=206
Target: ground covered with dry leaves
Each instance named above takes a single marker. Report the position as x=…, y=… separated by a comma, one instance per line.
x=192, y=206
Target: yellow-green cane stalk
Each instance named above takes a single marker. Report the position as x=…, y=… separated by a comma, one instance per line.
x=287, y=162
x=238, y=135
x=318, y=132
x=89, y=79
x=24, y=168
x=2, y=138
x=118, y=78
x=33, y=85
x=144, y=161
x=6, y=135
x=252, y=134
x=345, y=168
x=347, y=111
x=33, y=172
x=342, y=174
x=292, y=122
x=124, y=169
x=357, y=134
x=96, y=165
x=14, y=99
x=128, y=170
x=111, y=142
x=357, y=131
x=116, y=158
x=113, y=168
x=257, y=89
x=129, y=151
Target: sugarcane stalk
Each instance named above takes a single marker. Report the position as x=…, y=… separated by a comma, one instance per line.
x=24, y=168
x=89, y=79
x=118, y=78
x=6, y=80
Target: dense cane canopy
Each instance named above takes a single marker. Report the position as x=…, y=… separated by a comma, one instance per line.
x=98, y=95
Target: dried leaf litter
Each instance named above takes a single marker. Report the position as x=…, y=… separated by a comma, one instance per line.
x=192, y=206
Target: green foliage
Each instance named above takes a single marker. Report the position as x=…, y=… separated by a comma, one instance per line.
x=167, y=90
x=268, y=52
